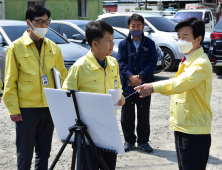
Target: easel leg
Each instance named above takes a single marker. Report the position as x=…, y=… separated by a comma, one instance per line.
x=87, y=154
x=60, y=151
x=74, y=147
x=79, y=143
x=95, y=149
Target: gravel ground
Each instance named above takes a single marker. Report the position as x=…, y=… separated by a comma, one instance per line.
x=161, y=137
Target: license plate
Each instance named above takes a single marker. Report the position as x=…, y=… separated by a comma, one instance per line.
x=159, y=63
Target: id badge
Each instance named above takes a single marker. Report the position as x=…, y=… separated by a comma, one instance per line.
x=45, y=80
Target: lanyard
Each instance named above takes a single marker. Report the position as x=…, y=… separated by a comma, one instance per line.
x=38, y=58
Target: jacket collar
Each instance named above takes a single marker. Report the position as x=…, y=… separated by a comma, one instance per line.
x=129, y=38
x=193, y=56
x=94, y=64
x=27, y=39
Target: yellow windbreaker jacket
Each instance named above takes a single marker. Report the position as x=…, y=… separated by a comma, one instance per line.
x=87, y=75
x=23, y=83
x=191, y=90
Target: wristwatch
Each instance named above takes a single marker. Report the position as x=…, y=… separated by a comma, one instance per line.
x=141, y=76
x=1, y=94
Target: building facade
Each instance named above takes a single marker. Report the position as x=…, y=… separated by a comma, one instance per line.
x=60, y=9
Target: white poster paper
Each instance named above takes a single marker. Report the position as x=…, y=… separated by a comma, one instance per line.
x=116, y=96
x=96, y=111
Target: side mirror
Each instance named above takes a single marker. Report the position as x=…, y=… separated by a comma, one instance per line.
x=65, y=36
x=78, y=37
x=207, y=20
x=146, y=29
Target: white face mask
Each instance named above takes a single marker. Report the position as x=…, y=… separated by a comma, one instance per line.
x=39, y=32
x=184, y=46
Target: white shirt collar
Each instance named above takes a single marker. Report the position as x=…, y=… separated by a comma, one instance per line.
x=188, y=55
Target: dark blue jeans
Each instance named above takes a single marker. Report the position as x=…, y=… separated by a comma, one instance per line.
x=192, y=150
x=35, y=131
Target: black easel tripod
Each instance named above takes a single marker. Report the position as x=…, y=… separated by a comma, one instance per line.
x=80, y=131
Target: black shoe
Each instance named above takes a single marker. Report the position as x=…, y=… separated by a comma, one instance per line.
x=128, y=146
x=145, y=147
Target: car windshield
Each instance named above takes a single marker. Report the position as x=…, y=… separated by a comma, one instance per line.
x=219, y=24
x=175, y=20
x=162, y=24
x=14, y=32
x=116, y=35
x=184, y=15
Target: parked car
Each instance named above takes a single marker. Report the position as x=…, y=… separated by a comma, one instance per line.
x=171, y=9
x=169, y=13
x=215, y=51
x=160, y=30
x=204, y=14
x=75, y=32
x=11, y=30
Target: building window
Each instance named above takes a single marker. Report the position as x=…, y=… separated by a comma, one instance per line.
x=82, y=8
x=127, y=10
x=36, y=2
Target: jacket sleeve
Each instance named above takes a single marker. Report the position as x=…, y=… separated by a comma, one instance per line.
x=152, y=61
x=185, y=81
x=118, y=76
x=1, y=84
x=11, y=77
x=123, y=62
x=60, y=66
x=73, y=80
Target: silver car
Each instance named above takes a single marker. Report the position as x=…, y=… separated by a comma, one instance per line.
x=11, y=30
x=74, y=30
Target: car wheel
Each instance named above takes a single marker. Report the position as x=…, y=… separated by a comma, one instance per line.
x=169, y=61
x=217, y=70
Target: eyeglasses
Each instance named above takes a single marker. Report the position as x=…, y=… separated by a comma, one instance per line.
x=40, y=21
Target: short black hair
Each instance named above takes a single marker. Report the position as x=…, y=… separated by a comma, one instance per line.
x=36, y=11
x=95, y=30
x=136, y=17
x=197, y=25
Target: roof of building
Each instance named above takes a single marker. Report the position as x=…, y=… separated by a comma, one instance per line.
x=109, y=3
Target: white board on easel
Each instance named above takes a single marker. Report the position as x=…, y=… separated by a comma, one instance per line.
x=96, y=112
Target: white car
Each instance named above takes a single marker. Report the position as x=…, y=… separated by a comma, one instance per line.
x=74, y=30
x=161, y=30
x=205, y=15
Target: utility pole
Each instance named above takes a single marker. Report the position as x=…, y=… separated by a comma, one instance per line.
x=145, y=4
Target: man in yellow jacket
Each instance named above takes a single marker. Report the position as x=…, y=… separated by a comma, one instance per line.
x=97, y=72
x=190, y=112
x=29, y=62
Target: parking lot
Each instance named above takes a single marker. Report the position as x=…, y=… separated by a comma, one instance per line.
x=161, y=138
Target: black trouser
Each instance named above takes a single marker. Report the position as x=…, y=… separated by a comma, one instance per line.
x=143, y=119
x=35, y=131
x=192, y=150
x=109, y=158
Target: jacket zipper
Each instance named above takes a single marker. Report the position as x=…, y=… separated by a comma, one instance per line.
x=139, y=46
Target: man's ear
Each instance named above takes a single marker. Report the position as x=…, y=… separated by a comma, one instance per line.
x=94, y=45
x=128, y=26
x=199, y=39
x=28, y=23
